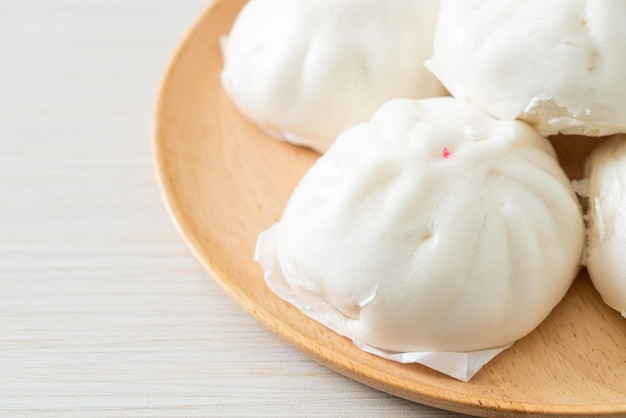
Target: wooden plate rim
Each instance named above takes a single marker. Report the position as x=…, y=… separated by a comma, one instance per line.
x=444, y=399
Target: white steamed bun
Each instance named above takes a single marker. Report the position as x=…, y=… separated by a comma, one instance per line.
x=307, y=70
x=433, y=228
x=606, y=246
x=558, y=65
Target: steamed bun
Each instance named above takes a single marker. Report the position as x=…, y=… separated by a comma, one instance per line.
x=606, y=246
x=556, y=65
x=433, y=228
x=305, y=70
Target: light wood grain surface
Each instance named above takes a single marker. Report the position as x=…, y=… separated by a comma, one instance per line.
x=103, y=309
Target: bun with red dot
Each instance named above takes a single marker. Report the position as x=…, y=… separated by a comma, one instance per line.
x=434, y=227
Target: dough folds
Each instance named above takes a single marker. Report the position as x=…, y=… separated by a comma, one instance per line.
x=434, y=227
x=557, y=65
x=305, y=70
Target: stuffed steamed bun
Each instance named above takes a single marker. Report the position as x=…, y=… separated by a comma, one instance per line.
x=606, y=246
x=305, y=70
x=558, y=65
x=433, y=228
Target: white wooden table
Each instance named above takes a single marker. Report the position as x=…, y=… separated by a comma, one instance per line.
x=103, y=309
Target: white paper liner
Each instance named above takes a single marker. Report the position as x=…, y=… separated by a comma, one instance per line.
x=461, y=366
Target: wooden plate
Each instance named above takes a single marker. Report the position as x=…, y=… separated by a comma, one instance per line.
x=225, y=182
